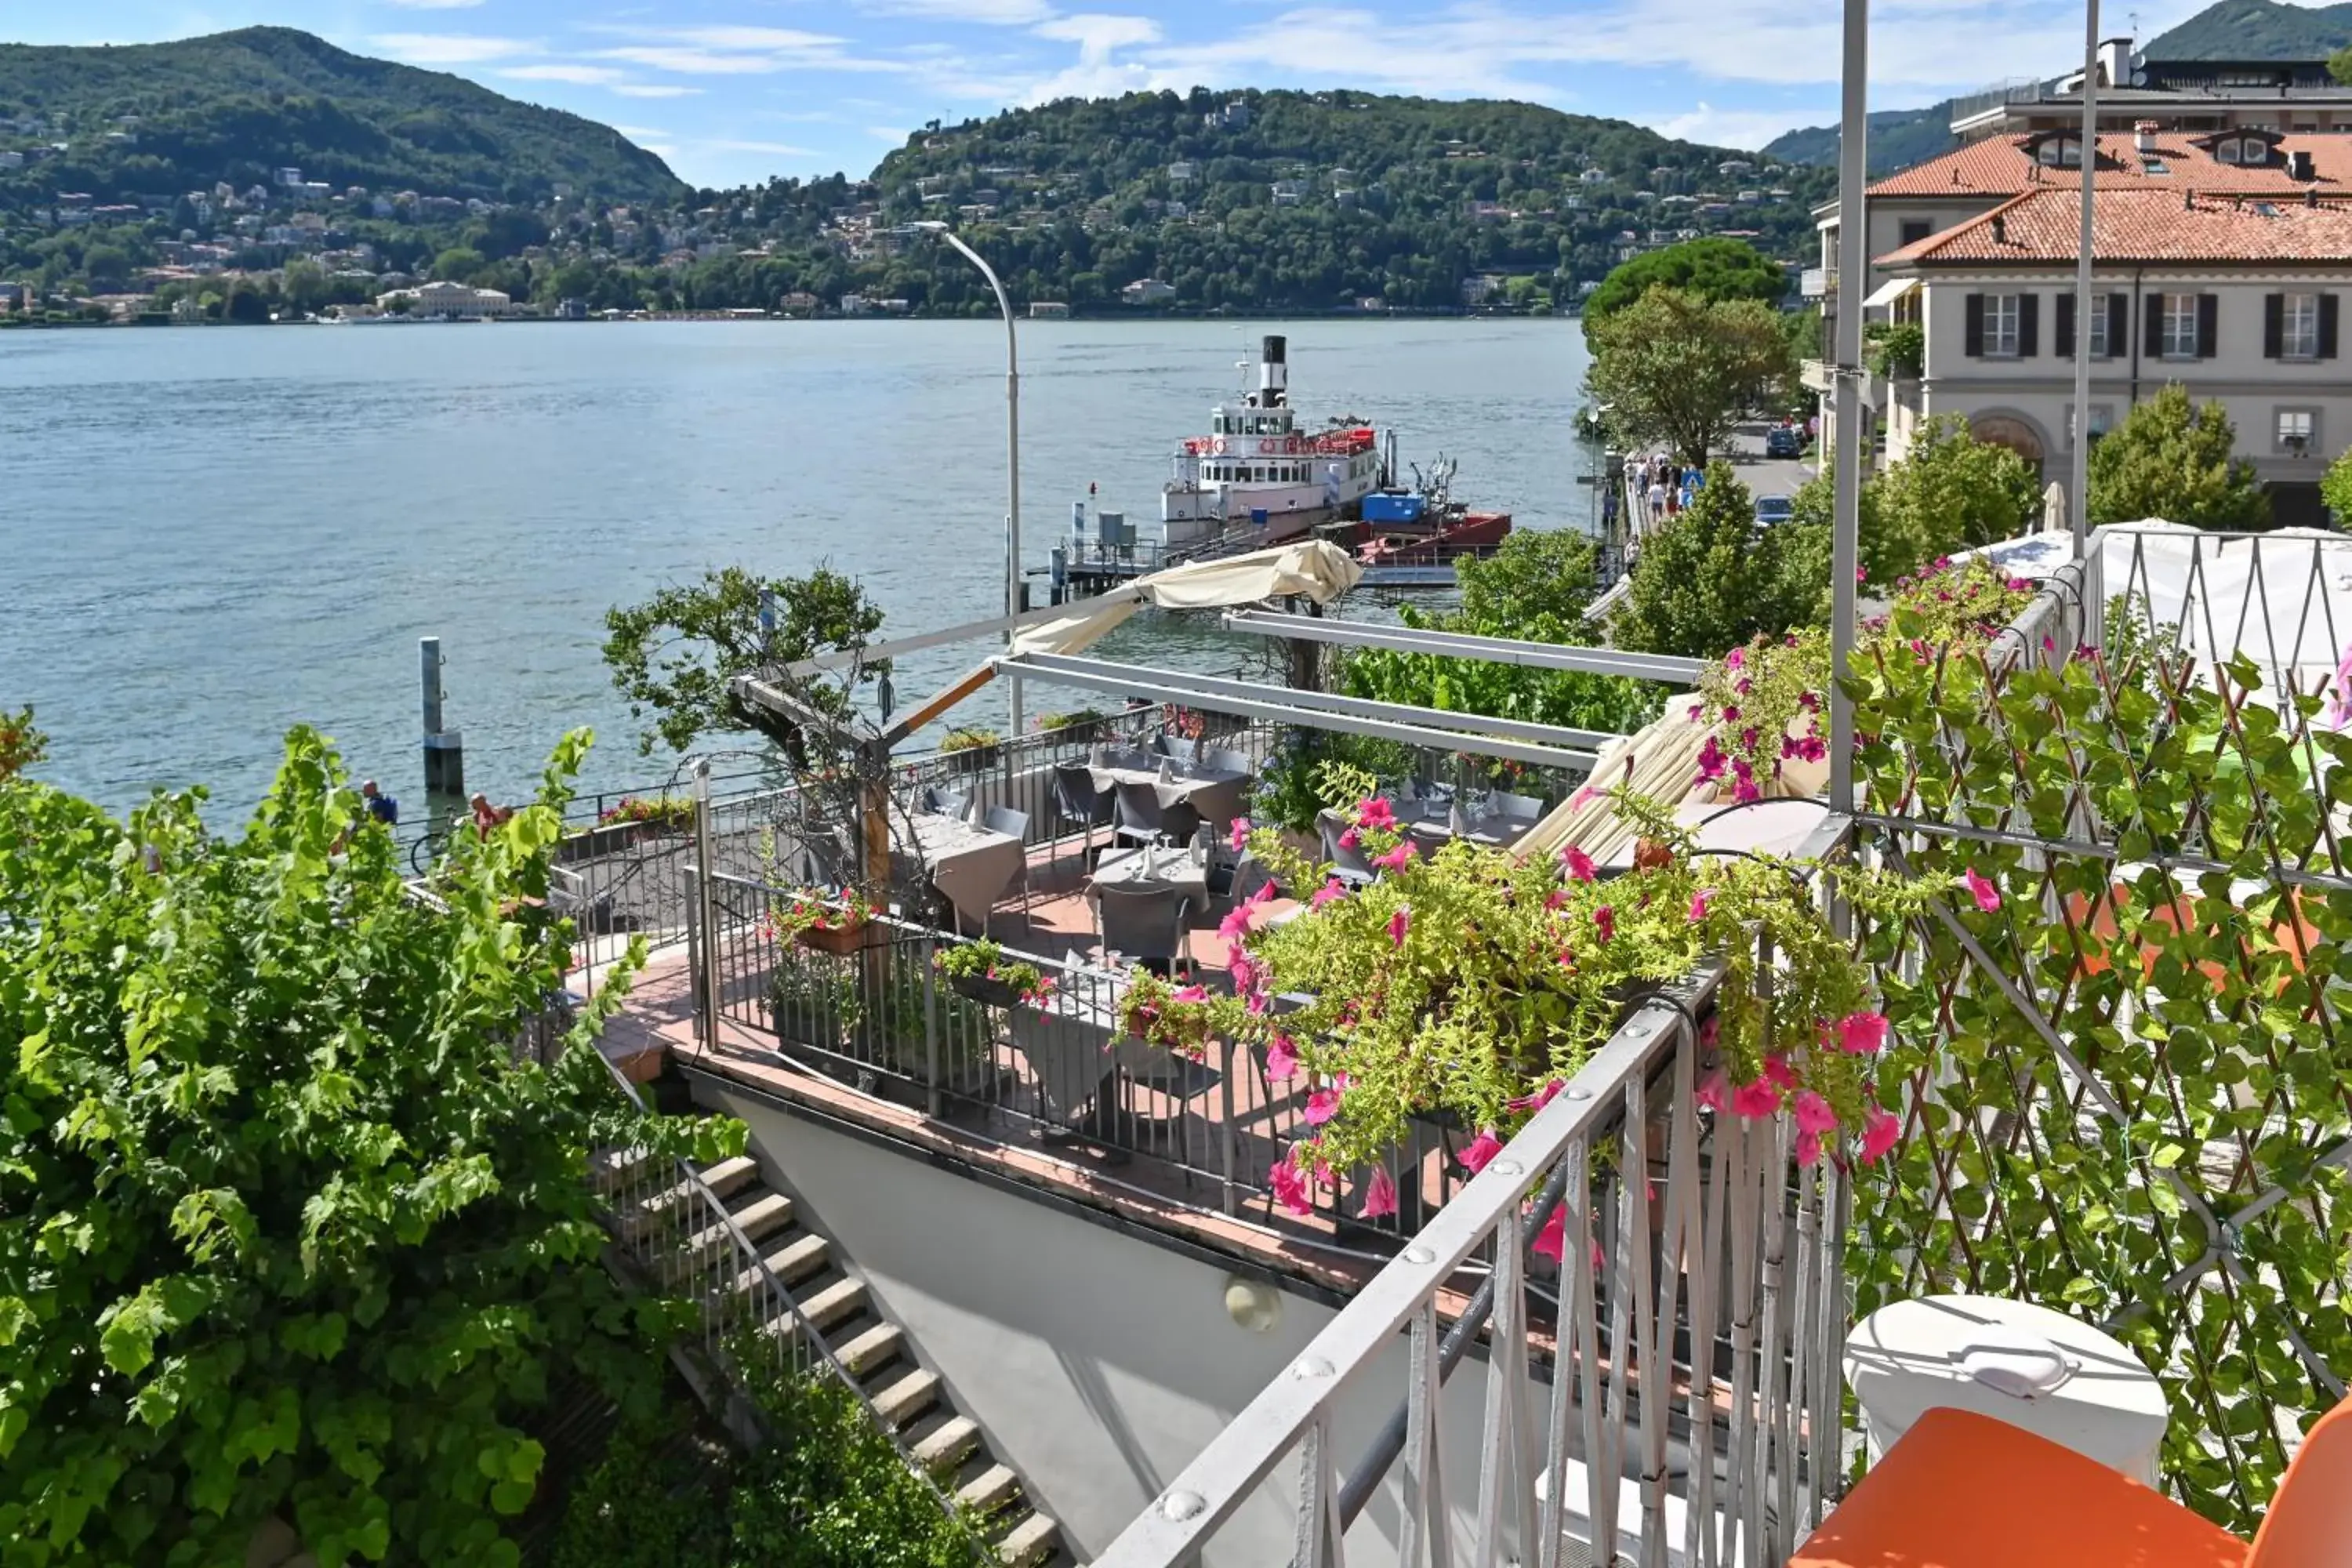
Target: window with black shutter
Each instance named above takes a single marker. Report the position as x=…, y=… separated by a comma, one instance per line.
x=2327, y=326
x=2274, y=324
x=1972, y=330
x=2209, y=315
x=2029, y=318
x=2152, y=329
x=2118, y=326
x=2065, y=347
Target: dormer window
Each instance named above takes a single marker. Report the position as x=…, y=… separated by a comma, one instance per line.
x=2245, y=149
x=2058, y=152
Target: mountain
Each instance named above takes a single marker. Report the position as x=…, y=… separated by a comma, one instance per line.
x=2230, y=30
x=1290, y=199
x=239, y=106
x=1898, y=139
x=2256, y=30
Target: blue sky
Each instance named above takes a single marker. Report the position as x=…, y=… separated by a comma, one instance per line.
x=730, y=90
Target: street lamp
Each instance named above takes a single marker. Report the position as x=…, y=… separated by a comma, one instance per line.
x=1853, y=261
x=1012, y=453
x=2079, y=473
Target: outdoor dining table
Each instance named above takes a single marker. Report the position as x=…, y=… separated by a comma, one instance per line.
x=1494, y=830
x=1075, y=1045
x=969, y=864
x=1214, y=793
x=1153, y=868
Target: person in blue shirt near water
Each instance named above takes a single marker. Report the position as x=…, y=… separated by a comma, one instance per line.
x=379, y=806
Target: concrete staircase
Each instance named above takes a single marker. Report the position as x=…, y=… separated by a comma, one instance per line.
x=876, y=1353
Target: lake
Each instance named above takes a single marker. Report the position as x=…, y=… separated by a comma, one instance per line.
x=212, y=534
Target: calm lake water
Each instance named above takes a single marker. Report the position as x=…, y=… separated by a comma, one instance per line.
x=212, y=535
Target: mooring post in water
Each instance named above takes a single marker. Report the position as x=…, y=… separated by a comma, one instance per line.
x=444, y=750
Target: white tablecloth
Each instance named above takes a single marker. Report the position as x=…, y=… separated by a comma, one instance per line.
x=970, y=865
x=1495, y=831
x=1217, y=796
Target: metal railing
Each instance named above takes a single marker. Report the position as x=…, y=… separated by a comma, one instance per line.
x=1661, y=1380
x=1062, y=1071
x=682, y=1242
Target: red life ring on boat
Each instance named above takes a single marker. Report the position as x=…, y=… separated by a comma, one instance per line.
x=1218, y=446
x=1265, y=446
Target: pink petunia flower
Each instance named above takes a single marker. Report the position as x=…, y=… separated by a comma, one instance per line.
x=1236, y=922
x=1281, y=1058
x=1379, y=1195
x=1539, y=1098
x=1555, y=899
x=1400, y=923
x=1396, y=859
x=1880, y=1132
x=1577, y=864
x=1481, y=1150
x=1814, y=1113
x=1290, y=1187
x=1711, y=760
x=1809, y=1148
x=1321, y=1105
x=1241, y=833
x=1699, y=900
x=1981, y=888
x=1242, y=968
x=1333, y=889
x=1862, y=1034
x=1736, y=659
x=1350, y=838
x=1776, y=1073
x=1713, y=1093
x=1190, y=993
x=1551, y=1241
x=1374, y=811
x=1604, y=921
x=1755, y=1100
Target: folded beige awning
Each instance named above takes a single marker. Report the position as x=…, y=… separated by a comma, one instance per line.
x=1886, y=293
x=1308, y=568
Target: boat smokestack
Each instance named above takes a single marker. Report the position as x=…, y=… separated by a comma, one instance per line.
x=1273, y=371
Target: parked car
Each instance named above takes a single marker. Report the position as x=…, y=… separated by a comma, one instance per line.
x=1773, y=511
x=1783, y=441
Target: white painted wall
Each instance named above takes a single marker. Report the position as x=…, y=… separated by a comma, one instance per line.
x=1098, y=1363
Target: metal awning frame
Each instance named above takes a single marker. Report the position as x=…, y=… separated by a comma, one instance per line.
x=1463, y=645
x=1427, y=728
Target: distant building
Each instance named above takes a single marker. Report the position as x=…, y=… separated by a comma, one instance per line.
x=1179, y=172
x=289, y=176
x=799, y=303
x=572, y=309
x=1049, y=310
x=1147, y=292
x=857, y=305
x=454, y=301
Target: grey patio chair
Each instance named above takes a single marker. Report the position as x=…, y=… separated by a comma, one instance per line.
x=1352, y=866
x=1142, y=923
x=1077, y=802
x=1014, y=824
x=1518, y=807
x=1220, y=760
x=1179, y=750
x=1138, y=812
x=955, y=802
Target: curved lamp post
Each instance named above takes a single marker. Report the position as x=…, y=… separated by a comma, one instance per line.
x=1011, y=451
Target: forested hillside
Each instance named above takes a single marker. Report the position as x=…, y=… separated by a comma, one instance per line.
x=163, y=118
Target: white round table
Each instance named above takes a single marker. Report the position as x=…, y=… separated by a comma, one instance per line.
x=2015, y=1361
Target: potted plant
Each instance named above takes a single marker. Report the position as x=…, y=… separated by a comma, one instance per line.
x=826, y=923
x=981, y=971
x=631, y=821
x=969, y=751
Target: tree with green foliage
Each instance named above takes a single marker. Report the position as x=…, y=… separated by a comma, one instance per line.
x=2336, y=489
x=1715, y=267
x=2339, y=65
x=1536, y=587
x=676, y=657
x=1950, y=493
x=2172, y=458
x=290, y=1230
x=458, y=264
x=1709, y=580
x=1676, y=368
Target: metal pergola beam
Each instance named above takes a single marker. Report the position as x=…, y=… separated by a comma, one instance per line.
x=1462, y=645
x=1419, y=727
x=968, y=631
x=1474, y=725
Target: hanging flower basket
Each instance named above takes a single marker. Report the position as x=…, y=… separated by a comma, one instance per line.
x=840, y=940
x=826, y=922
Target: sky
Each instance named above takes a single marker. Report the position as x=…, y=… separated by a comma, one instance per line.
x=735, y=90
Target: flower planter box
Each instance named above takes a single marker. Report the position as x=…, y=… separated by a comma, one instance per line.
x=974, y=759
x=985, y=989
x=841, y=940
x=611, y=838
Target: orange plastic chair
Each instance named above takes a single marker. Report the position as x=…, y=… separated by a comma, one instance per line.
x=1964, y=1490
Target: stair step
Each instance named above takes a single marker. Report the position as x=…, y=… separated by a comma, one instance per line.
x=908, y=1398
x=877, y=1347
x=836, y=1303
x=989, y=1491
x=730, y=1176
x=792, y=1262
x=947, y=1444
x=768, y=1212
x=1030, y=1541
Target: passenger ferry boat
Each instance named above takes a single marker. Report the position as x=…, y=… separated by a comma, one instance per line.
x=1256, y=466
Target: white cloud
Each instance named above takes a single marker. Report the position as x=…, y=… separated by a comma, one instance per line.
x=1097, y=33
x=450, y=48
x=654, y=90
x=779, y=149
x=892, y=134
x=984, y=13
x=586, y=76
x=1737, y=127
x=689, y=62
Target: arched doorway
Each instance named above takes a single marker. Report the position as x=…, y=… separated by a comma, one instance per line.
x=2009, y=430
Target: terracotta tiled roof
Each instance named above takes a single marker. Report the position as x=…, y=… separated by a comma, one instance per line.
x=2004, y=166
x=2141, y=226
